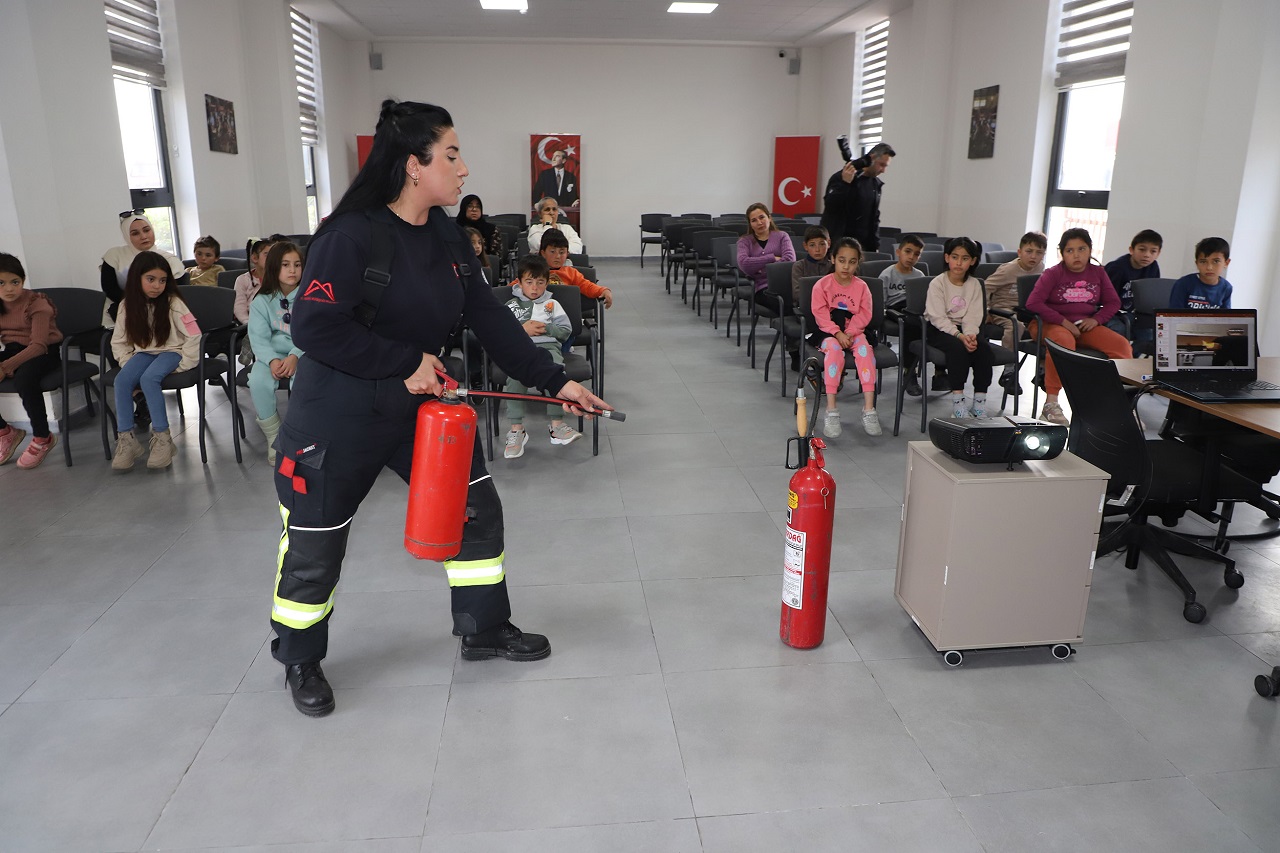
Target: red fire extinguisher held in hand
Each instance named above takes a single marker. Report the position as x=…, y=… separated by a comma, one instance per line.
x=806, y=563
x=440, y=474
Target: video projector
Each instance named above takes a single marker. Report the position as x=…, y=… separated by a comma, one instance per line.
x=1007, y=438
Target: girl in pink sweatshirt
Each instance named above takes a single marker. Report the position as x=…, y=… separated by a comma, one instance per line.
x=841, y=310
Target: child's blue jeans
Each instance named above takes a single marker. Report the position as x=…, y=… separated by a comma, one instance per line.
x=146, y=370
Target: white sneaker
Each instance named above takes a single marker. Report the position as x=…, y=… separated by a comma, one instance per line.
x=831, y=425
x=516, y=440
x=871, y=423
x=563, y=434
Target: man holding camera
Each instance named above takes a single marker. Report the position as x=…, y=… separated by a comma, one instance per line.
x=851, y=206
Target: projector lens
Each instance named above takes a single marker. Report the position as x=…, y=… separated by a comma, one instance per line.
x=1032, y=442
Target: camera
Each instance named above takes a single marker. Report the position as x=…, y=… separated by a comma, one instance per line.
x=843, y=142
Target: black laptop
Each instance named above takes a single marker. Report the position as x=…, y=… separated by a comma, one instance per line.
x=1211, y=356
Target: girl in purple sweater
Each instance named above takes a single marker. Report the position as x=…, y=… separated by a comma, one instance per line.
x=1071, y=302
x=763, y=246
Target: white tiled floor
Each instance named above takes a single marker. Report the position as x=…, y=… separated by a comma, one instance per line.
x=140, y=708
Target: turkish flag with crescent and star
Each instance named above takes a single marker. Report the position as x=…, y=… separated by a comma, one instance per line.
x=795, y=175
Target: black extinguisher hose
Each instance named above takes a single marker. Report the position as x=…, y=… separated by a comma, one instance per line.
x=451, y=385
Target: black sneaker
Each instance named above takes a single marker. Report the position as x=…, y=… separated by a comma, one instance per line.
x=505, y=640
x=1009, y=382
x=312, y=694
x=912, y=386
x=940, y=382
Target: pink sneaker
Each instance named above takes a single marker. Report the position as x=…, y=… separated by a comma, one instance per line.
x=36, y=451
x=9, y=441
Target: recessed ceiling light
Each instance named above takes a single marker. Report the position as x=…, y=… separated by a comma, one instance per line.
x=692, y=8
x=511, y=5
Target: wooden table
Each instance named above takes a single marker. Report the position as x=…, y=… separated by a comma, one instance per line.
x=1259, y=417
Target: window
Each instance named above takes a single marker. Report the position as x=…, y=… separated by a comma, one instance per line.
x=1092, y=45
x=304, y=67
x=137, y=62
x=875, y=59
x=309, y=174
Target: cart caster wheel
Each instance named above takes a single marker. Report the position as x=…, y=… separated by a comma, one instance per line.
x=1194, y=612
x=1062, y=651
x=1233, y=578
x=1268, y=685
x=953, y=658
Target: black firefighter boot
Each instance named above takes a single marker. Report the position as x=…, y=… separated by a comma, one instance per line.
x=505, y=640
x=312, y=694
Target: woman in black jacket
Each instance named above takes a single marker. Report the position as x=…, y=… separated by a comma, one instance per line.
x=367, y=368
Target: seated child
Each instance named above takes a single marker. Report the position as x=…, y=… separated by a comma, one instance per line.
x=28, y=352
x=545, y=321
x=1140, y=263
x=275, y=356
x=816, y=261
x=955, y=313
x=477, y=245
x=1074, y=300
x=206, y=270
x=549, y=220
x=895, y=277
x=1002, y=291
x=1206, y=288
x=248, y=284
x=895, y=296
x=155, y=335
x=841, y=310
x=554, y=249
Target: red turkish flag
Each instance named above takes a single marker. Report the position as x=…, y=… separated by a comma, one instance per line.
x=364, y=147
x=795, y=175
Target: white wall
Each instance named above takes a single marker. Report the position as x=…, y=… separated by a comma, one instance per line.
x=1197, y=154
x=664, y=128
x=344, y=113
x=62, y=156
x=939, y=53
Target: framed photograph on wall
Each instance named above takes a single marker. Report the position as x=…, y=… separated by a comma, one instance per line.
x=556, y=171
x=982, y=124
x=221, y=115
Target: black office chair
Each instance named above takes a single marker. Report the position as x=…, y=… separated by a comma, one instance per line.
x=702, y=263
x=873, y=268
x=1149, y=296
x=1167, y=477
x=778, y=286
x=997, y=255
x=650, y=232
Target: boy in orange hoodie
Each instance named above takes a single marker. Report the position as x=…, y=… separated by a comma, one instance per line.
x=555, y=250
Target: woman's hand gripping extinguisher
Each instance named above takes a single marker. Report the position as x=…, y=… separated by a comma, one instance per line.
x=811, y=506
x=439, y=476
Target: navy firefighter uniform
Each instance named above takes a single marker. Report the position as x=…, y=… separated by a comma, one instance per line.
x=350, y=414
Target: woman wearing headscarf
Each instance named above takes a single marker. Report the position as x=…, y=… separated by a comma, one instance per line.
x=138, y=237
x=471, y=215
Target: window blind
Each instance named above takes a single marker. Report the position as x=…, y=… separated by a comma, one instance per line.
x=1093, y=40
x=304, y=66
x=875, y=59
x=133, y=30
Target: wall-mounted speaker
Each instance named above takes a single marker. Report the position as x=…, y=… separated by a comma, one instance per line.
x=375, y=61
x=793, y=66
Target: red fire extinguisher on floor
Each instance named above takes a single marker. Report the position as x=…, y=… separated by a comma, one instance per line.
x=806, y=562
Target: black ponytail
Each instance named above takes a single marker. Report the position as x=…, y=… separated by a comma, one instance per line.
x=404, y=128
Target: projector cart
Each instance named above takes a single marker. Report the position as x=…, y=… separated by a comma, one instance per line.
x=991, y=558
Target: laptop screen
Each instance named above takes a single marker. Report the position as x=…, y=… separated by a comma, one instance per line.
x=1207, y=344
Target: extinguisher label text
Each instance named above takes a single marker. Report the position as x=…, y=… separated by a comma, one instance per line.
x=793, y=569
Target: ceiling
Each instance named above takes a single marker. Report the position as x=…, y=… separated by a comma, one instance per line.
x=771, y=22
